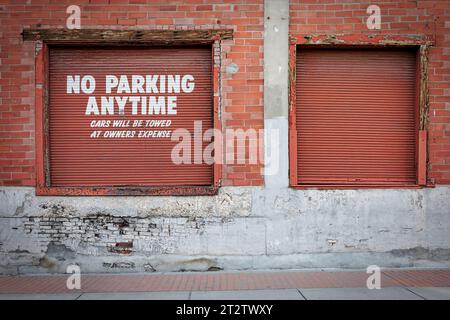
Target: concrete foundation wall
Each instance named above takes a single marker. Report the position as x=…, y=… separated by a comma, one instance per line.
x=261, y=227
x=241, y=228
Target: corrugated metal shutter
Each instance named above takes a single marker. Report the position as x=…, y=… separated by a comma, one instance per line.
x=355, y=116
x=78, y=160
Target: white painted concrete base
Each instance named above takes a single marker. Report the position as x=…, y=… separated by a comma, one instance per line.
x=242, y=228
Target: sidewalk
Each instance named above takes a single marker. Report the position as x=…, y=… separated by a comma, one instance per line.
x=402, y=284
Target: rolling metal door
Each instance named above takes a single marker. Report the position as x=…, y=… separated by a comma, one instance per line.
x=76, y=159
x=355, y=116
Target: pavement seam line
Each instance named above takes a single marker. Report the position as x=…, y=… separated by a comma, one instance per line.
x=299, y=291
x=403, y=285
x=415, y=293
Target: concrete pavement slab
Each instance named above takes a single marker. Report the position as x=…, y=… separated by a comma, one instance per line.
x=433, y=293
x=392, y=293
x=39, y=296
x=173, y=295
x=282, y=294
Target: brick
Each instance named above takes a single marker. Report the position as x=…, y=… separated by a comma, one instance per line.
x=126, y=21
x=204, y=8
x=168, y=8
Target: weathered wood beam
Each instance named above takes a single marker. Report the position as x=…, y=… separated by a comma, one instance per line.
x=127, y=36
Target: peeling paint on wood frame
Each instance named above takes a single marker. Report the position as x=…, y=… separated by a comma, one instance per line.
x=217, y=110
x=45, y=37
x=423, y=110
x=363, y=39
x=128, y=191
x=424, y=94
x=40, y=111
x=292, y=114
x=421, y=42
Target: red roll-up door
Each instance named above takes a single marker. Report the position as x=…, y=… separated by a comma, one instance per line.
x=76, y=158
x=355, y=116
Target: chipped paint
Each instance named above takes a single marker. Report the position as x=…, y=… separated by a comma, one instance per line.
x=363, y=39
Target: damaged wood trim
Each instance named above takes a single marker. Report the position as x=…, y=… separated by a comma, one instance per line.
x=127, y=36
x=41, y=119
x=421, y=45
x=352, y=187
x=363, y=39
x=424, y=100
x=128, y=191
x=423, y=106
x=292, y=113
x=44, y=185
x=217, y=111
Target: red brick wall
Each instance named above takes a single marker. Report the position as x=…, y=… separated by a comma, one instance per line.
x=398, y=17
x=242, y=92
